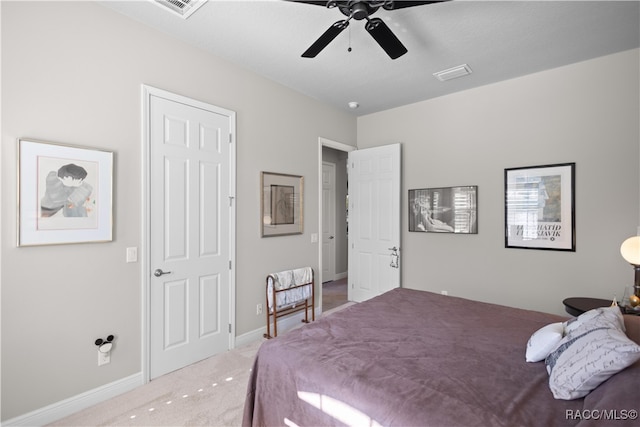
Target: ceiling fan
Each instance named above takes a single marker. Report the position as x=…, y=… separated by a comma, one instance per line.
x=359, y=10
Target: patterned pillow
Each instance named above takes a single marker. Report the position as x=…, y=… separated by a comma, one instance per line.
x=544, y=341
x=606, y=316
x=594, y=348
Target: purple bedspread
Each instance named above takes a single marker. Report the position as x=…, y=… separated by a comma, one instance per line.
x=414, y=358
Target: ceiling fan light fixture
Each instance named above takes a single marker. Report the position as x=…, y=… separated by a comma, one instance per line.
x=453, y=73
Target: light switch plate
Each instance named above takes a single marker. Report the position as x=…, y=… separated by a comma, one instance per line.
x=132, y=254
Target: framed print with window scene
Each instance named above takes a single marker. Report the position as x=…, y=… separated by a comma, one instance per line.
x=540, y=207
x=444, y=210
x=281, y=204
x=64, y=194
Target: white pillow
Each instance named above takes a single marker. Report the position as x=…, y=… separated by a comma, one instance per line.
x=544, y=341
x=594, y=348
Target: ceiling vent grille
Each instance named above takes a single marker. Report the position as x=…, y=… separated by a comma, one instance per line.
x=453, y=73
x=182, y=8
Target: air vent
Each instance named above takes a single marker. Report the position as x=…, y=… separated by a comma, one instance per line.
x=453, y=73
x=182, y=8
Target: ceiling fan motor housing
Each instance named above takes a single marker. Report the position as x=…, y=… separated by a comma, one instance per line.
x=358, y=10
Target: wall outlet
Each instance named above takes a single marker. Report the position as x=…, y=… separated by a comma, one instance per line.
x=104, y=358
x=444, y=292
x=258, y=309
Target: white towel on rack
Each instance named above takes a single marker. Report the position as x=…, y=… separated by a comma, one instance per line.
x=285, y=280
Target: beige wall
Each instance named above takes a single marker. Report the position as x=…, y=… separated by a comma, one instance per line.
x=582, y=113
x=72, y=73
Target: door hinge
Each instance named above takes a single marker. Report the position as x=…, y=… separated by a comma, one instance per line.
x=230, y=138
x=229, y=264
x=231, y=200
x=229, y=327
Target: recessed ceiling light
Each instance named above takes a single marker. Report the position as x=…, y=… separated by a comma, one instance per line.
x=353, y=105
x=453, y=73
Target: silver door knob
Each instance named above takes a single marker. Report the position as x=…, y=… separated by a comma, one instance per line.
x=330, y=237
x=159, y=272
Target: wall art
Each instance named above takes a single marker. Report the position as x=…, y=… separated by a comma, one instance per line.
x=539, y=207
x=444, y=210
x=281, y=204
x=64, y=194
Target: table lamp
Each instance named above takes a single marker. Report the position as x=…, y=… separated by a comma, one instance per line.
x=630, y=251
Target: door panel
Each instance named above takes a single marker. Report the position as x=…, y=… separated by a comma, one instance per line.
x=176, y=186
x=209, y=230
x=209, y=293
x=175, y=314
x=374, y=221
x=189, y=237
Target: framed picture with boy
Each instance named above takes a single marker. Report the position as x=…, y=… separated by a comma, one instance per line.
x=64, y=194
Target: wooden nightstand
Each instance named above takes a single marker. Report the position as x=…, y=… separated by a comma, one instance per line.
x=578, y=305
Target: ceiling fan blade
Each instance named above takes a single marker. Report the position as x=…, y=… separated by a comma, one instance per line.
x=325, y=39
x=409, y=3
x=312, y=2
x=385, y=38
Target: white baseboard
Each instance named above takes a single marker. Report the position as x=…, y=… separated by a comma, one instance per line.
x=64, y=408
x=340, y=276
x=284, y=324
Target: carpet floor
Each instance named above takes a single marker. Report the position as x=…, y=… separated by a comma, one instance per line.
x=334, y=294
x=208, y=393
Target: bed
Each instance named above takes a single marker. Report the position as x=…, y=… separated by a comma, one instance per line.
x=415, y=358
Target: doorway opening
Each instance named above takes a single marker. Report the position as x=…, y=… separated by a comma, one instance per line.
x=334, y=230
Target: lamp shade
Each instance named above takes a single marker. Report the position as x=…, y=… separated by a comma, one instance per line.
x=630, y=250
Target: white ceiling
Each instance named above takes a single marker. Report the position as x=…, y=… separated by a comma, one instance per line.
x=499, y=40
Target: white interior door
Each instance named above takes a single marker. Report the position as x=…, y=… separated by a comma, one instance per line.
x=328, y=221
x=189, y=254
x=374, y=221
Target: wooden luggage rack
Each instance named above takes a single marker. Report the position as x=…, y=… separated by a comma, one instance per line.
x=288, y=292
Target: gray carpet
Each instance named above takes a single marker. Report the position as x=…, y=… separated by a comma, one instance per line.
x=208, y=393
